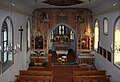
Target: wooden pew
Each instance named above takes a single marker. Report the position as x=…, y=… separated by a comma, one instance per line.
x=86, y=61
x=89, y=72
x=85, y=67
x=85, y=51
x=92, y=79
x=33, y=72
x=34, y=79
x=40, y=68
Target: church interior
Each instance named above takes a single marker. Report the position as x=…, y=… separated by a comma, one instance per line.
x=59, y=41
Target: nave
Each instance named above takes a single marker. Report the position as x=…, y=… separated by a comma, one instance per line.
x=83, y=72
x=63, y=74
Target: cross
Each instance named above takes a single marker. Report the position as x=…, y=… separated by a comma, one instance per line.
x=21, y=33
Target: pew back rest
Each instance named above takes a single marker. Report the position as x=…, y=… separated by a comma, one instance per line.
x=34, y=79
x=86, y=61
x=31, y=72
x=91, y=79
x=89, y=72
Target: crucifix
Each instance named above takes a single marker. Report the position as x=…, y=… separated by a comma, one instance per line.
x=21, y=33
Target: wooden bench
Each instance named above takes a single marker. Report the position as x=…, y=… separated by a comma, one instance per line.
x=85, y=51
x=33, y=72
x=34, y=79
x=40, y=68
x=89, y=72
x=91, y=79
x=89, y=61
x=85, y=67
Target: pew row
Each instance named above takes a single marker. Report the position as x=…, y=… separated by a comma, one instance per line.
x=89, y=72
x=91, y=79
x=40, y=68
x=37, y=73
x=86, y=61
x=34, y=78
x=85, y=68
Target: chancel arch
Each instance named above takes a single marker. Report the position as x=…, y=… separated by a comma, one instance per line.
x=62, y=32
x=63, y=42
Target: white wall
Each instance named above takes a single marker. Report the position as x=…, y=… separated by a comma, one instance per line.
x=21, y=59
x=103, y=64
x=106, y=41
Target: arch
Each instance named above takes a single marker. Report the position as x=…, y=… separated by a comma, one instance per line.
x=116, y=47
x=7, y=31
x=10, y=29
x=70, y=45
x=105, y=26
x=64, y=25
x=76, y=37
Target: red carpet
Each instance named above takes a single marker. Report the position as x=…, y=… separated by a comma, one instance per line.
x=63, y=73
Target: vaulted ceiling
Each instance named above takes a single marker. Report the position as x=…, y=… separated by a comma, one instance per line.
x=30, y=5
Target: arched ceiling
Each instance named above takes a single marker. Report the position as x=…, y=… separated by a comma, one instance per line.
x=30, y=5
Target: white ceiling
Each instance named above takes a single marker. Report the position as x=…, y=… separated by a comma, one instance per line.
x=86, y=4
x=30, y=5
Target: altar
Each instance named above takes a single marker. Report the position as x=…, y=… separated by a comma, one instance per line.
x=62, y=52
x=62, y=56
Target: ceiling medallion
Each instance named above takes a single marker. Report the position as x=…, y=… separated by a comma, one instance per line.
x=63, y=2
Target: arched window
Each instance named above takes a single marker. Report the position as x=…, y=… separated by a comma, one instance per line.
x=4, y=40
x=7, y=42
x=61, y=29
x=71, y=35
x=105, y=26
x=117, y=42
x=28, y=31
x=52, y=36
x=96, y=35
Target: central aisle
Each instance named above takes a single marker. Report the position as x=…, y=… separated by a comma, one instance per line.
x=63, y=73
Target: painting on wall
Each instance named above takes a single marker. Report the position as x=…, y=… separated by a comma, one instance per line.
x=39, y=42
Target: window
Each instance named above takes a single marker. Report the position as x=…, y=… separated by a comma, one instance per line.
x=105, y=26
x=52, y=36
x=28, y=26
x=6, y=40
x=96, y=35
x=117, y=43
x=61, y=29
x=71, y=35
